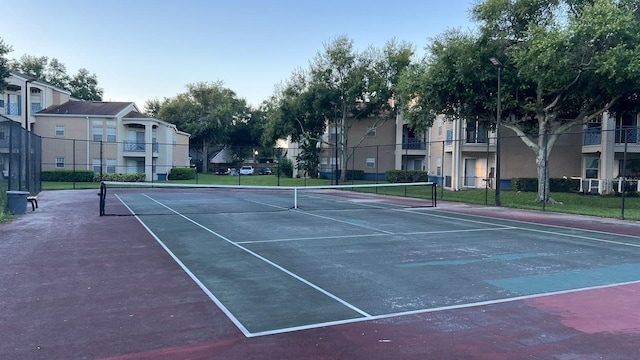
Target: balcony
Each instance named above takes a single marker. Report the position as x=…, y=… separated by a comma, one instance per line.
x=134, y=146
x=414, y=144
x=592, y=136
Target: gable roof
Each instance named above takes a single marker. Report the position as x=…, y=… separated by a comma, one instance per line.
x=136, y=115
x=87, y=108
x=24, y=77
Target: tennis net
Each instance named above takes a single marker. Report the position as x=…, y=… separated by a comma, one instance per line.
x=141, y=198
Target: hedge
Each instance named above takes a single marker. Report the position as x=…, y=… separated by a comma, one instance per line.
x=182, y=174
x=403, y=176
x=68, y=175
x=352, y=174
x=555, y=184
x=136, y=177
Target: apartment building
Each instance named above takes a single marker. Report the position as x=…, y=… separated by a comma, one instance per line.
x=105, y=137
x=109, y=137
x=461, y=154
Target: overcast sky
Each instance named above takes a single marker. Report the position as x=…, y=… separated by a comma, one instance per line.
x=147, y=49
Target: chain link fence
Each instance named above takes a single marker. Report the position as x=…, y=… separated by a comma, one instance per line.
x=20, y=158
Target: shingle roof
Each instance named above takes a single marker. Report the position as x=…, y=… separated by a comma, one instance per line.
x=136, y=115
x=102, y=108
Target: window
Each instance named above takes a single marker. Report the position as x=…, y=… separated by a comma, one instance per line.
x=324, y=164
x=371, y=163
x=97, y=133
x=13, y=105
x=371, y=132
x=59, y=162
x=1, y=103
x=59, y=130
x=111, y=134
x=111, y=123
x=36, y=104
x=174, y=139
x=440, y=121
x=111, y=166
x=439, y=167
x=97, y=166
x=332, y=134
x=1, y=135
x=592, y=165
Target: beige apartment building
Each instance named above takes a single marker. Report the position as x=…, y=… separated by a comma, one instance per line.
x=461, y=154
x=109, y=137
x=104, y=137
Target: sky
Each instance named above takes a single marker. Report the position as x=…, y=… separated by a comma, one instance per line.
x=152, y=49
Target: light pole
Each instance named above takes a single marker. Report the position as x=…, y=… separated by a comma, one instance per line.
x=499, y=65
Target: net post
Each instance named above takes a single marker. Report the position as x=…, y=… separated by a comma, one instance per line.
x=102, y=194
x=434, y=194
x=295, y=198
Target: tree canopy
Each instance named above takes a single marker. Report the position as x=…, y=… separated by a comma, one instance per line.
x=340, y=87
x=564, y=62
x=4, y=64
x=83, y=85
x=212, y=113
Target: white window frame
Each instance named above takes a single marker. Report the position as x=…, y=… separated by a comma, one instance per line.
x=59, y=162
x=370, y=163
x=97, y=165
x=59, y=130
x=111, y=166
x=97, y=133
x=112, y=134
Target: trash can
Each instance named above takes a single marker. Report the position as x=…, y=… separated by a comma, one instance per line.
x=17, y=202
x=162, y=177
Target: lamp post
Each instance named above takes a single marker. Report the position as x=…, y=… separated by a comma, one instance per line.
x=499, y=65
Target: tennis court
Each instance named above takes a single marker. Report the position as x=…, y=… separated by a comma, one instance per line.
x=355, y=276
x=339, y=257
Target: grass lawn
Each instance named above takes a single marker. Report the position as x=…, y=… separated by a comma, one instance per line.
x=602, y=206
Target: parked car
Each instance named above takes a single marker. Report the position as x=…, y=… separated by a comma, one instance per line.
x=265, y=171
x=246, y=170
x=223, y=171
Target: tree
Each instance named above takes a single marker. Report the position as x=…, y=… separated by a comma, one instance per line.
x=340, y=88
x=208, y=111
x=5, y=71
x=83, y=85
x=565, y=62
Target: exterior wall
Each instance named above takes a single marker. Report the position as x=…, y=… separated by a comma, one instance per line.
x=180, y=152
x=63, y=146
x=374, y=153
x=373, y=147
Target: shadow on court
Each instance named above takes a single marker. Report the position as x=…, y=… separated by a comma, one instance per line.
x=382, y=283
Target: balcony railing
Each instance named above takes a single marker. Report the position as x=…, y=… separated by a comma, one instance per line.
x=593, y=136
x=476, y=137
x=628, y=133
x=414, y=144
x=134, y=146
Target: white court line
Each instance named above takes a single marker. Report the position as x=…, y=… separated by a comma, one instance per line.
x=372, y=235
x=345, y=222
x=224, y=309
x=441, y=308
x=588, y=238
x=390, y=315
x=297, y=277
